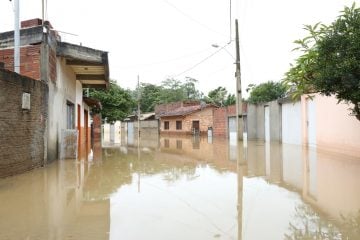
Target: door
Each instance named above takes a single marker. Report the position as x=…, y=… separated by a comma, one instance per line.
x=196, y=127
x=291, y=123
x=232, y=131
x=267, y=124
x=130, y=132
x=311, y=122
x=86, y=128
x=79, y=123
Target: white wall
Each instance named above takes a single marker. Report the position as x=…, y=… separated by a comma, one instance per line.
x=291, y=123
x=63, y=90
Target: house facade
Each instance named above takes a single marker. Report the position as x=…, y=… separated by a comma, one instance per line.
x=196, y=120
x=66, y=69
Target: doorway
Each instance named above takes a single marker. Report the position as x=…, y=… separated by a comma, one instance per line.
x=195, y=127
x=86, y=128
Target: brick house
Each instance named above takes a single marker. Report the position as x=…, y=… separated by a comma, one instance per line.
x=187, y=119
x=66, y=69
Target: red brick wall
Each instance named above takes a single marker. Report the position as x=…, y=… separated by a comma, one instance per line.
x=221, y=116
x=29, y=60
x=23, y=132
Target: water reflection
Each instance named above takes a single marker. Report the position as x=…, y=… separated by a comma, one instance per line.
x=187, y=188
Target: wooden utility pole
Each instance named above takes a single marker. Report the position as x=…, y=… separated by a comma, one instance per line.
x=239, y=113
x=138, y=110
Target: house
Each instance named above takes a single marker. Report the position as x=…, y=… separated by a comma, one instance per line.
x=187, y=119
x=66, y=69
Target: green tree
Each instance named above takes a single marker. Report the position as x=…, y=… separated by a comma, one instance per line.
x=150, y=97
x=116, y=102
x=217, y=96
x=230, y=100
x=190, y=89
x=220, y=97
x=265, y=92
x=330, y=63
x=338, y=60
x=172, y=91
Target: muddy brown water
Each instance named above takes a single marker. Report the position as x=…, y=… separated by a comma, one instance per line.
x=187, y=188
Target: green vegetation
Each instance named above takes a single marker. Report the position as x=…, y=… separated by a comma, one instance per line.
x=116, y=102
x=330, y=60
x=265, y=92
x=220, y=97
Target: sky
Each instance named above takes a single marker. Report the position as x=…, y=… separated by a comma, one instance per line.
x=160, y=39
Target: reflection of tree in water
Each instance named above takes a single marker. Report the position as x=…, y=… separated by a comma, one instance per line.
x=106, y=177
x=350, y=226
x=307, y=225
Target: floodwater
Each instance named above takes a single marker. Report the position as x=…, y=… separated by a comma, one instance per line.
x=186, y=188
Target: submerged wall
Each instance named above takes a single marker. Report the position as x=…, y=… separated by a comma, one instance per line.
x=23, y=131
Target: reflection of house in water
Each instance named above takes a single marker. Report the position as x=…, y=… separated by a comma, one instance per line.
x=149, y=130
x=216, y=153
x=327, y=181
x=65, y=206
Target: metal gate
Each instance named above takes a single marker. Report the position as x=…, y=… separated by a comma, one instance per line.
x=267, y=124
x=130, y=133
x=232, y=128
x=311, y=122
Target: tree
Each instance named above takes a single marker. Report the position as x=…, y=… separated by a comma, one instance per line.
x=150, y=97
x=190, y=89
x=219, y=96
x=230, y=100
x=338, y=60
x=172, y=91
x=266, y=92
x=116, y=102
x=330, y=63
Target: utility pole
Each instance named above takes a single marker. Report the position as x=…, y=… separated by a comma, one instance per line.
x=138, y=110
x=239, y=113
x=17, y=38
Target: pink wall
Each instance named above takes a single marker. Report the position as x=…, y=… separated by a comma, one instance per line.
x=335, y=128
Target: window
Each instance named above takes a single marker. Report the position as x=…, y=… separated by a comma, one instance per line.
x=179, y=144
x=70, y=115
x=178, y=125
x=166, y=125
x=166, y=143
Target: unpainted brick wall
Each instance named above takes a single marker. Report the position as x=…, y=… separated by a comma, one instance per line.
x=221, y=116
x=22, y=132
x=29, y=60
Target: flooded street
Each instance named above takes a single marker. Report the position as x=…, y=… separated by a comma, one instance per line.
x=187, y=188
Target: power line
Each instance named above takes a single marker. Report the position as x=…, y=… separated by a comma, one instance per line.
x=192, y=19
x=205, y=59
x=145, y=65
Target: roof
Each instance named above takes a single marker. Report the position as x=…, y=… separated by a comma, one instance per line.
x=90, y=66
x=92, y=102
x=143, y=116
x=183, y=111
